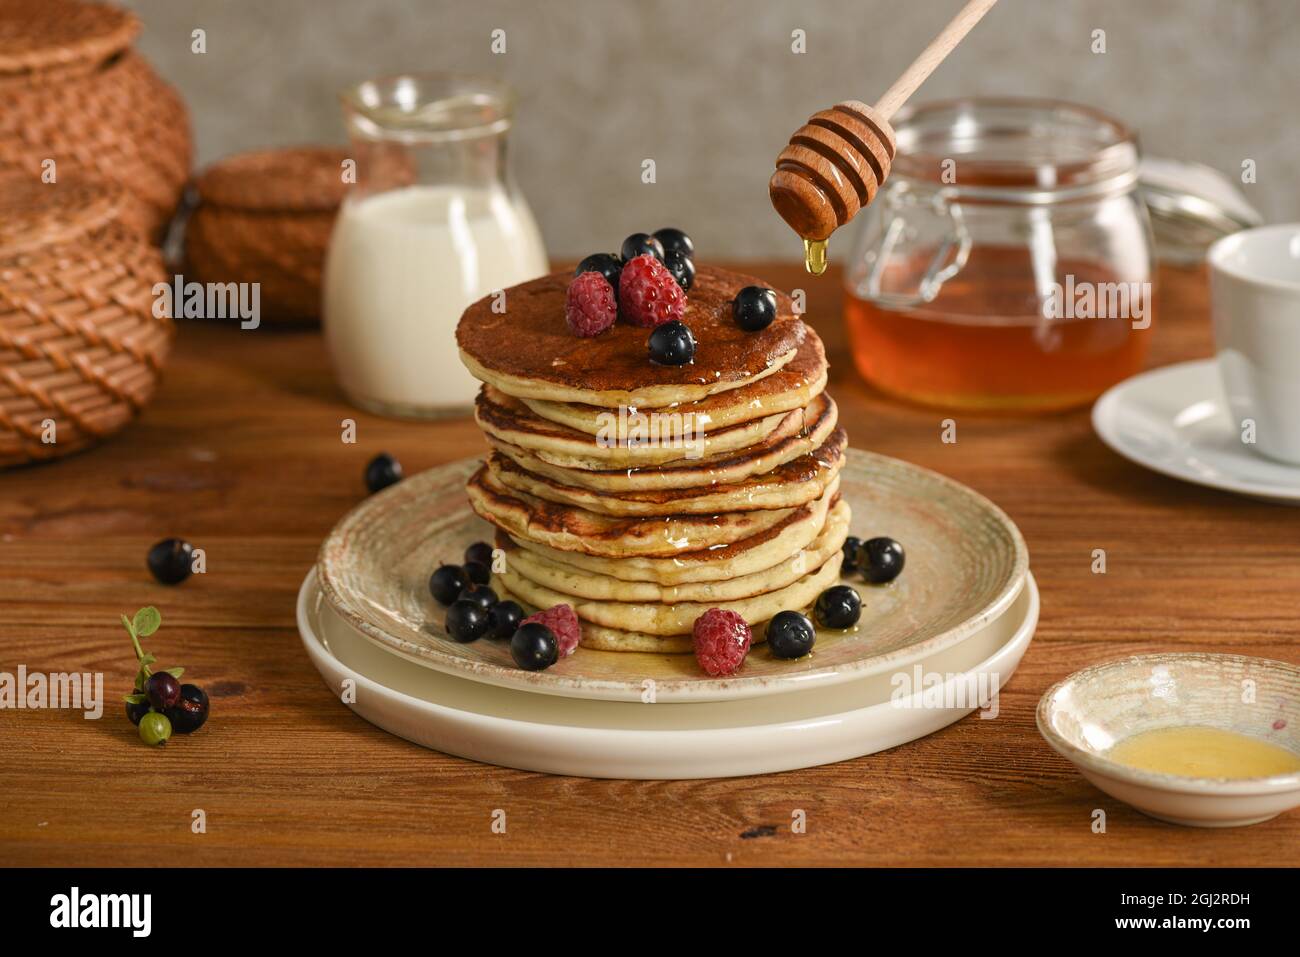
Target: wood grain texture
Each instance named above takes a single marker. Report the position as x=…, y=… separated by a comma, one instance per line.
x=241, y=453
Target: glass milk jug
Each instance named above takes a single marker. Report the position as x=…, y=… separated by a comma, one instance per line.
x=433, y=224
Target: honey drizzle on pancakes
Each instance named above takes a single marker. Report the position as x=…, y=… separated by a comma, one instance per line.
x=530, y=339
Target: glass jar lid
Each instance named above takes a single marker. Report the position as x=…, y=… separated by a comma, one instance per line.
x=1192, y=206
x=1015, y=150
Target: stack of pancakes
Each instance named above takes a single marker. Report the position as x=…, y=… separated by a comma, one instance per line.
x=641, y=494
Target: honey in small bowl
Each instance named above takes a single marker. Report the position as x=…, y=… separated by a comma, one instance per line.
x=1196, y=751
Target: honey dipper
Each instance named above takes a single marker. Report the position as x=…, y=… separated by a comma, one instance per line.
x=835, y=163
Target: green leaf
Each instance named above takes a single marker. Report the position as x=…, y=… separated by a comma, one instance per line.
x=135, y=698
x=175, y=672
x=148, y=659
x=147, y=621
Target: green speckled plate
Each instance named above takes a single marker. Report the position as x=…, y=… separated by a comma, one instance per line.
x=966, y=564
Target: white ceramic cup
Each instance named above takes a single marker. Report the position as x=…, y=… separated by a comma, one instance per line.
x=1255, y=303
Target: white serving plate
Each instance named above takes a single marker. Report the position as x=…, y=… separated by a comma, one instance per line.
x=616, y=739
x=1174, y=420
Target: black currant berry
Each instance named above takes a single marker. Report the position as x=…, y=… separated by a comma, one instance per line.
x=881, y=559
x=466, y=620
x=477, y=573
x=852, y=545
x=838, y=607
x=504, y=618
x=790, y=635
x=754, y=308
x=163, y=690
x=480, y=552
x=607, y=264
x=671, y=344
x=382, y=471
x=638, y=244
x=134, y=712
x=171, y=561
x=480, y=595
x=682, y=268
x=533, y=646
x=190, y=711
x=675, y=241
x=447, y=583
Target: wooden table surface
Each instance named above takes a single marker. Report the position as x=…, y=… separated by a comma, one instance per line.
x=240, y=453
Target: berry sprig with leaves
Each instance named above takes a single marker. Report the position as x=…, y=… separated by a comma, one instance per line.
x=146, y=622
x=159, y=703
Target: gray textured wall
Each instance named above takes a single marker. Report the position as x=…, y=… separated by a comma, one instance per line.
x=710, y=88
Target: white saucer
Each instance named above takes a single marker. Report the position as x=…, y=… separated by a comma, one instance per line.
x=1175, y=420
x=618, y=739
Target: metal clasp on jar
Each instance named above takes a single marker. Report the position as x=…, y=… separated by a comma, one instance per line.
x=949, y=257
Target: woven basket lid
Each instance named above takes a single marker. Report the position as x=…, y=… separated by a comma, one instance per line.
x=40, y=35
x=35, y=214
x=297, y=178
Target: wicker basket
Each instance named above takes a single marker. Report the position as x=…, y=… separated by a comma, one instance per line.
x=73, y=91
x=266, y=217
x=80, y=346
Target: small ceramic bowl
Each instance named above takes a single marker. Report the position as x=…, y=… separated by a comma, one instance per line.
x=1084, y=715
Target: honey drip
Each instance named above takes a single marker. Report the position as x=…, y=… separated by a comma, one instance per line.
x=814, y=256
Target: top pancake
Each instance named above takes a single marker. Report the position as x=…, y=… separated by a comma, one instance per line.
x=528, y=350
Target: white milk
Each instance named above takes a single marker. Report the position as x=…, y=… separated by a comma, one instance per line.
x=402, y=267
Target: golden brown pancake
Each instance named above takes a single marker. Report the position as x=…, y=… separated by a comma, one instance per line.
x=762, y=550
x=667, y=619
x=665, y=439
x=561, y=576
x=792, y=386
x=570, y=528
x=528, y=349
x=800, y=480
x=813, y=427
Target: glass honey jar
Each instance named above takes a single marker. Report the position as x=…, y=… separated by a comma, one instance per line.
x=1007, y=263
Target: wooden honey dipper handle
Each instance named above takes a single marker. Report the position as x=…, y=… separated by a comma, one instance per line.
x=931, y=57
x=835, y=163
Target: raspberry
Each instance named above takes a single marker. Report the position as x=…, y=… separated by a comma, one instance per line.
x=590, y=308
x=648, y=295
x=721, y=641
x=561, y=619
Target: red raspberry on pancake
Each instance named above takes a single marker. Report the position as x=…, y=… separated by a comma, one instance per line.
x=648, y=295
x=589, y=307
